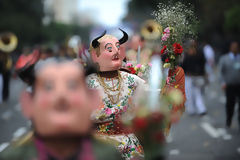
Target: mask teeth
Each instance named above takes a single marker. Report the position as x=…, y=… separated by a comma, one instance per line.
x=115, y=56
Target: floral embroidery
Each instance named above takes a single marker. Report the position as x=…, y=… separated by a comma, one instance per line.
x=124, y=108
x=130, y=80
x=105, y=128
x=101, y=106
x=91, y=83
x=108, y=112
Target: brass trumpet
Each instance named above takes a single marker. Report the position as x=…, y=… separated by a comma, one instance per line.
x=74, y=43
x=8, y=42
x=151, y=30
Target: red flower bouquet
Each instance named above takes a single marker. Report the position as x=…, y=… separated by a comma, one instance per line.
x=179, y=23
x=139, y=70
x=171, y=50
x=150, y=126
x=163, y=49
x=177, y=48
x=150, y=131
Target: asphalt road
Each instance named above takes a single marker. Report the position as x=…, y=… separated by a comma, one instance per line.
x=205, y=138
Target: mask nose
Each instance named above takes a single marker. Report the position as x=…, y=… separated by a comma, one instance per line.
x=116, y=49
x=61, y=104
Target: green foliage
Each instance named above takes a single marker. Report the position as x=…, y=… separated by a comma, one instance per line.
x=140, y=10
x=24, y=18
x=214, y=15
x=179, y=17
x=232, y=20
x=56, y=33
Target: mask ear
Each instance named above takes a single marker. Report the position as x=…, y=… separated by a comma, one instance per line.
x=122, y=52
x=26, y=104
x=94, y=55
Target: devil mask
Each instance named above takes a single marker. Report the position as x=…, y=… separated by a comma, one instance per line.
x=106, y=52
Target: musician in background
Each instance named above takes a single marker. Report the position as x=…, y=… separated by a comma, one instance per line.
x=8, y=43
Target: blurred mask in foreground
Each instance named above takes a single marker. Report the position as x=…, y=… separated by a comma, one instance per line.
x=59, y=106
x=60, y=103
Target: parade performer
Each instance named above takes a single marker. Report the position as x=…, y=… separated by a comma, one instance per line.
x=175, y=80
x=116, y=88
x=178, y=26
x=59, y=106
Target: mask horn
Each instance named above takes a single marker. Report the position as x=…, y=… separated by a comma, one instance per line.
x=124, y=38
x=27, y=74
x=95, y=42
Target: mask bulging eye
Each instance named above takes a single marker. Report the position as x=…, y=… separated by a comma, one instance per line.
x=48, y=86
x=109, y=49
x=117, y=45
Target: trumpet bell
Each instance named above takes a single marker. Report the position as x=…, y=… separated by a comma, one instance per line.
x=8, y=42
x=151, y=30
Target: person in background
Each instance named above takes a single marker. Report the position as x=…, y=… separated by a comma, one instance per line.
x=6, y=66
x=1, y=77
x=135, y=42
x=193, y=65
x=46, y=53
x=210, y=61
x=59, y=105
x=229, y=69
x=8, y=43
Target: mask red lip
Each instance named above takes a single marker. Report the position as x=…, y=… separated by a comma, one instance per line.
x=62, y=106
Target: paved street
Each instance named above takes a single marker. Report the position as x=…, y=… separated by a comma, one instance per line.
x=205, y=138
x=12, y=123
x=193, y=138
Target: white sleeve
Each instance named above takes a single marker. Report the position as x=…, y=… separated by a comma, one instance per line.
x=139, y=81
x=208, y=52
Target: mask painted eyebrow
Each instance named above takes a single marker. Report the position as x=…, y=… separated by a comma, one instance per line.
x=108, y=45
